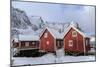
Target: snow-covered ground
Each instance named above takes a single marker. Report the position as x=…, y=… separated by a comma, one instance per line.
x=50, y=58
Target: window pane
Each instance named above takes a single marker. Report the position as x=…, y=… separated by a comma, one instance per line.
x=74, y=33
x=45, y=35
x=70, y=43
x=27, y=44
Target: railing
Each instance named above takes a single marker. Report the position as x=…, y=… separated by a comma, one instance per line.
x=28, y=47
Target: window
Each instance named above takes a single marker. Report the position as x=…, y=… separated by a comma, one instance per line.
x=74, y=33
x=47, y=42
x=45, y=35
x=22, y=44
x=70, y=43
x=33, y=43
x=27, y=44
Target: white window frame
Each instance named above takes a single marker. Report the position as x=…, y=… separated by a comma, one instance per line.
x=26, y=44
x=45, y=35
x=70, y=43
x=74, y=33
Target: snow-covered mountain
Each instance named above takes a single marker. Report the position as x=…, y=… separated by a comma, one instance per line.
x=20, y=22
x=37, y=22
x=19, y=19
x=23, y=24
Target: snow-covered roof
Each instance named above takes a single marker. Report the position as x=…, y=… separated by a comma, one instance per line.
x=29, y=37
x=55, y=33
x=72, y=25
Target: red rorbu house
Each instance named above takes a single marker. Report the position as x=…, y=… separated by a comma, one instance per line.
x=26, y=42
x=50, y=40
x=75, y=40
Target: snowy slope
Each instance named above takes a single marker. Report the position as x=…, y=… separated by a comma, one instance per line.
x=50, y=58
x=19, y=19
x=23, y=24
x=36, y=21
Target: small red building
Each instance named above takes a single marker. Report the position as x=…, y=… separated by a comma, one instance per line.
x=50, y=40
x=75, y=40
x=26, y=42
x=25, y=45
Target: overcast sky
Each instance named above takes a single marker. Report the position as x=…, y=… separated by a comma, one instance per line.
x=84, y=15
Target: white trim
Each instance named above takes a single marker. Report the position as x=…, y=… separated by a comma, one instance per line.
x=70, y=45
x=49, y=31
x=44, y=31
x=27, y=48
x=84, y=45
x=55, y=45
x=77, y=43
x=68, y=29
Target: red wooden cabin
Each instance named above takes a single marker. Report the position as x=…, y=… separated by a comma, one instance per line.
x=75, y=40
x=50, y=40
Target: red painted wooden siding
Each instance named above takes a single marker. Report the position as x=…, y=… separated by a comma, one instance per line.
x=31, y=45
x=43, y=42
x=77, y=42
